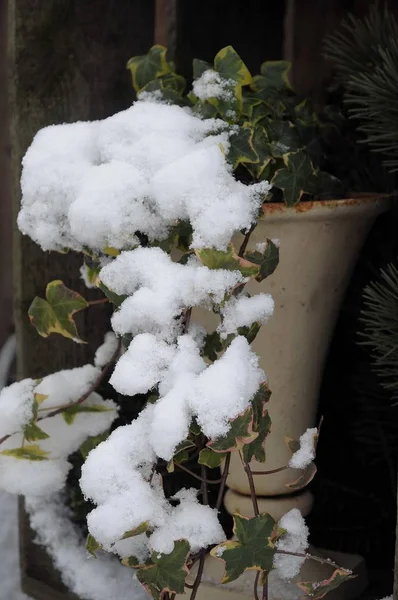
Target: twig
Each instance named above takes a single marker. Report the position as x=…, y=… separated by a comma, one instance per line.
x=322, y=561
x=198, y=477
x=82, y=398
x=265, y=590
x=199, y=574
x=223, y=481
x=243, y=247
x=100, y=301
x=255, y=587
x=249, y=474
x=270, y=472
x=187, y=318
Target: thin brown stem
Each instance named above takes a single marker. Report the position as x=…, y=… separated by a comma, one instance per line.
x=270, y=472
x=319, y=559
x=198, y=477
x=199, y=574
x=82, y=398
x=250, y=479
x=223, y=481
x=187, y=318
x=246, y=239
x=265, y=590
x=255, y=587
x=100, y=301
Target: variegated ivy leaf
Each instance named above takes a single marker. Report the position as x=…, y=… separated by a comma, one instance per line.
x=114, y=298
x=261, y=425
x=240, y=433
x=55, y=313
x=318, y=589
x=70, y=413
x=267, y=260
x=167, y=572
x=32, y=433
x=92, y=545
x=212, y=346
x=199, y=67
x=181, y=454
x=92, y=442
x=283, y=138
x=296, y=178
x=306, y=476
x=274, y=78
x=136, y=531
x=211, y=459
x=148, y=67
x=228, y=259
x=27, y=452
x=254, y=548
x=229, y=65
x=241, y=149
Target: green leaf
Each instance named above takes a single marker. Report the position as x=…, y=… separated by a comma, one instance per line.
x=114, y=298
x=149, y=66
x=27, y=452
x=92, y=545
x=261, y=425
x=240, y=433
x=194, y=428
x=263, y=150
x=212, y=345
x=229, y=259
x=136, y=531
x=250, y=333
x=296, y=178
x=230, y=66
x=211, y=459
x=70, y=413
x=199, y=67
x=267, y=260
x=254, y=548
x=92, y=442
x=274, y=78
x=241, y=148
x=284, y=138
x=55, y=314
x=328, y=187
x=318, y=589
x=306, y=476
x=181, y=454
x=32, y=432
x=168, y=571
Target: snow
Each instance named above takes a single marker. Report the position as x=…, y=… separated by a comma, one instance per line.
x=105, y=352
x=66, y=386
x=16, y=406
x=244, y=311
x=294, y=540
x=306, y=453
x=211, y=85
x=100, y=579
x=160, y=289
x=9, y=563
x=96, y=184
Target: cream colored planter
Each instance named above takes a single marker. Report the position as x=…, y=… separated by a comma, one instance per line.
x=319, y=244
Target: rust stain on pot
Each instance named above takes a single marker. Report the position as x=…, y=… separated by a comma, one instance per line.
x=303, y=207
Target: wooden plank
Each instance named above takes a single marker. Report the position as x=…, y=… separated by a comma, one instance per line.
x=67, y=62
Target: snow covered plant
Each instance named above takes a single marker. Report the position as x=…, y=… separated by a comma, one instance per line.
x=149, y=197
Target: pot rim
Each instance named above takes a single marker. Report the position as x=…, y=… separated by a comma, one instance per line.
x=354, y=205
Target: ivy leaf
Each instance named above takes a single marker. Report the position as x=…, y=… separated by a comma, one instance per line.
x=55, y=314
x=32, y=432
x=261, y=425
x=241, y=148
x=328, y=187
x=230, y=66
x=181, y=454
x=306, y=476
x=229, y=259
x=284, y=138
x=274, y=78
x=27, y=452
x=92, y=442
x=199, y=67
x=211, y=459
x=167, y=572
x=263, y=150
x=212, y=345
x=136, y=531
x=254, y=548
x=250, y=333
x=240, y=433
x=295, y=178
x=114, y=298
x=149, y=66
x=70, y=413
x=92, y=545
x=267, y=260
x=318, y=589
